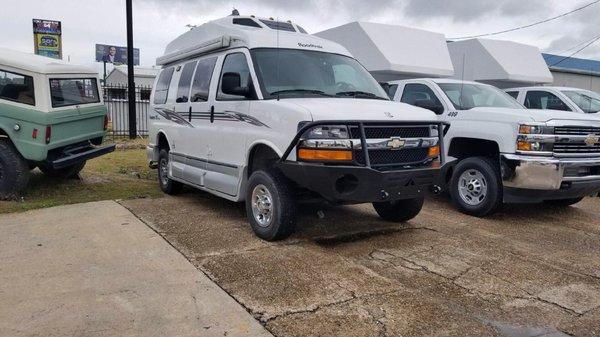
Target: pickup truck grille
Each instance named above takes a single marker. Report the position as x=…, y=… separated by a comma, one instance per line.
x=575, y=148
x=576, y=130
x=388, y=158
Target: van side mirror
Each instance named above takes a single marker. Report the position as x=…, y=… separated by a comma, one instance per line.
x=231, y=85
x=430, y=105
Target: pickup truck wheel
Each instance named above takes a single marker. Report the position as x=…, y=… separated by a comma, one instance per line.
x=563, y=202
x=270, y=205
x=476, y=188
x=167, y=185
x=399, y=210
x=65, y=172
x=14, y=171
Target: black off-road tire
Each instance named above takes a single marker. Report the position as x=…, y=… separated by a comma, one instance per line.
x=64, y=173
x=14, y=170
x=399, y=210
x=563, y=202
x=167, y=185
x=283, y=217
x=493, y=199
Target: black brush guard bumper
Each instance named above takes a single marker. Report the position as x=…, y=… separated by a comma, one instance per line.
x=361, y=183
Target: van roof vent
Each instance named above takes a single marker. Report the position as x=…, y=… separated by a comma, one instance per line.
x=279, y=25
x=246, y=22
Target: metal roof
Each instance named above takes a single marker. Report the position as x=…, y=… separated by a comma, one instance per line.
x=572, y=64
x=40, y=64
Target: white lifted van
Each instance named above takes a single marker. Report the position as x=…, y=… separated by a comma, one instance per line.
x=257, y=110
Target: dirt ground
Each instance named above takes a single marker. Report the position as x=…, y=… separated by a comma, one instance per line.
x=530, y=270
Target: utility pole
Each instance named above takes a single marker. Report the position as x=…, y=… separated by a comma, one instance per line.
x=130, y=81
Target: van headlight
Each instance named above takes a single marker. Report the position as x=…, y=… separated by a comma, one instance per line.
x=326, y=143
x=535, y=138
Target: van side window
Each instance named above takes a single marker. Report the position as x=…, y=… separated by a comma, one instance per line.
x=538, y=99
x=418, y=94
x=234, y=63
x=513, y=94
x=16, y=87
x=183, y=88
x=201, y=83
x=162, y=86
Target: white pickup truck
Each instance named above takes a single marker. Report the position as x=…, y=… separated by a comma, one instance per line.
x=557, y=98
x=508, y=153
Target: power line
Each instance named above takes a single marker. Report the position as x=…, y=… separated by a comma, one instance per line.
x=529, y=25
x=576, y=52
x=558, y=53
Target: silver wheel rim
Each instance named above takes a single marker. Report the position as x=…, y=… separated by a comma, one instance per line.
x=163, y=172
x=472, y=187
x=262, y=205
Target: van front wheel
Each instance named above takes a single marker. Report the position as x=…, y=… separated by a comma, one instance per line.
x=14, y=171
x=270, y=205
x=167, y=185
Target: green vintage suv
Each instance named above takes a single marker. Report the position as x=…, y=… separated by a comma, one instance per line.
x=51, y=117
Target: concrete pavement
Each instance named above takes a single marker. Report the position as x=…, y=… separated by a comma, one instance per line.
x=96, y=270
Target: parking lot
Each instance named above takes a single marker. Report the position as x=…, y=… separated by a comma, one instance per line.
x=530, y=270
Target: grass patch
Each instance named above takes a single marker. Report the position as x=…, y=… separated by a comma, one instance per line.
x=123, y=174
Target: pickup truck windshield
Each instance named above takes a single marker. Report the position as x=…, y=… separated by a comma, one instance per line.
x=587, y=101
x=467, y=96
x=292, y=73
x=73, y=91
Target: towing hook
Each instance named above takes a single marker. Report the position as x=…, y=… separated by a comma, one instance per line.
x=384, y=195
x=437, y=189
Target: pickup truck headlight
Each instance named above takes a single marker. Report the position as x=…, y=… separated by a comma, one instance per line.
x=326, y=143
x=535, y=138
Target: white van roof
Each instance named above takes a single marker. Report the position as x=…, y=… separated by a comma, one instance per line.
x=392, y=52
x=501, y=63
x=40, y=64
x=244, y=31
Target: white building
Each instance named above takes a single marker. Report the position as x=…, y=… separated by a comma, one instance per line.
x=116, y=82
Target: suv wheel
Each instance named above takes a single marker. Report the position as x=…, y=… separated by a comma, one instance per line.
x=563, y=202
x=270, y=205
x=14, y=171
x=167, y=185
x=399, y=210
x=65, y=172
x=476, y=188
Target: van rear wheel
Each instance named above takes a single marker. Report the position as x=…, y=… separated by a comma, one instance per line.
x=14, y=171
x=399, y=210
x=270, y=205
x=65, y=172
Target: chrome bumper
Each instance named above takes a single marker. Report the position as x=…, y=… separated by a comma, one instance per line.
x=543, y=173
x=152, y=155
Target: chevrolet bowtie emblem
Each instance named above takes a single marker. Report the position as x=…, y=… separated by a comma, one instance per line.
x=396, y=143
x=591, y=140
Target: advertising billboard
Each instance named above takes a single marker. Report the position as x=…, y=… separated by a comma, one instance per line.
x=115, y=54
x=47, y=38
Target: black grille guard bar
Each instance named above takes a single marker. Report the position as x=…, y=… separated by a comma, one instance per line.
x=444, y=126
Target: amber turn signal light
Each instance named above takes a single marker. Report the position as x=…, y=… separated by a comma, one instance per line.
x=523, y=146
x=434, y=151
x=324, y=155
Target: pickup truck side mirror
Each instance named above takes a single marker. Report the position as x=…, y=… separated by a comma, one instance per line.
x=231, y=85
x=430, y=105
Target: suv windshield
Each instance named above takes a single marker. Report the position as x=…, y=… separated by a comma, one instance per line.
x=292, y=73
x=73, y=91
x=467, y=96
x=587, y=101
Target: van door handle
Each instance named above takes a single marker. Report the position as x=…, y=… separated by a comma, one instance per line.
x=190, y=117
x=212, y=114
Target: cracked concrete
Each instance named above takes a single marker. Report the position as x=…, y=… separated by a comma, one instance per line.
x=527, y=271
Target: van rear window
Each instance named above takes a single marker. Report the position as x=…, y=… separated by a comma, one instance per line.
x=73, y=91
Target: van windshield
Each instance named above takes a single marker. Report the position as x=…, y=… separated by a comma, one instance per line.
x=466, y=96
x=587, y=101
x=73, y=91
x=292, y=73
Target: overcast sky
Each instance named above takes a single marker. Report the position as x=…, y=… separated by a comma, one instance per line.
x=156, y=22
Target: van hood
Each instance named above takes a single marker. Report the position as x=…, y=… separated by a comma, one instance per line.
x=533, y=115
x=361, y=109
